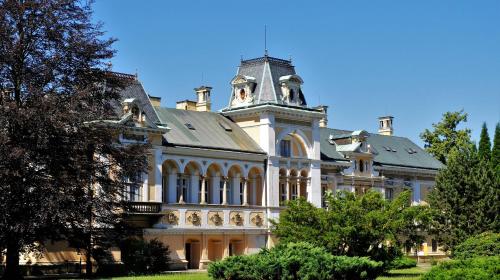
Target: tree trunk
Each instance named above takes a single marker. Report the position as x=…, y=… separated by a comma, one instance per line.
x=12, y=269
x=88, y=263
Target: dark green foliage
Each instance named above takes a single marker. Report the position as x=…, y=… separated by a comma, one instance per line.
x=295, y=261
x=403, y=262
x=495, y=151
x=483, y=245
x=446, y=135
x=465, y=199
x=354, y=225
x=53, y=68
x=481, y=268
x=484, y=149
x=144, y=257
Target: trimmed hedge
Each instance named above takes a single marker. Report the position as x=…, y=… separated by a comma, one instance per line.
x=482, y=245
x=487, y=268
x=402, y=262
x=295, y=261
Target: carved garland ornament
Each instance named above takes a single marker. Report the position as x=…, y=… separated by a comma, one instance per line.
x=238, y=219
x=257, y=220
x=170, y=218
x=195, y=219
x=216, y=219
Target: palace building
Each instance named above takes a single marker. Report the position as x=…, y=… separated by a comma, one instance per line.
x=215, y=178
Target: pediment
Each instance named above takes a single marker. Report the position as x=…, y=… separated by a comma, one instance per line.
x=242, y=79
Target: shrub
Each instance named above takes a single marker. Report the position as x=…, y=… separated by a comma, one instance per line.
x=482, y=245
x=402, y=262
x=295, y=261
x=479, y=268
x=143, y=257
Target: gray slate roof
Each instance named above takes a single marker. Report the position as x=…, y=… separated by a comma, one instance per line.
x=401, y=157
x=136, y=90
x=267, y=70
x=210, y=131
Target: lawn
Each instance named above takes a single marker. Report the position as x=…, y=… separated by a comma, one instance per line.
x=410, y=273
x=397, y=274
x=170, y=276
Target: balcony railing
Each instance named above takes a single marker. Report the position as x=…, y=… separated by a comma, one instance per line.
x=145, y=207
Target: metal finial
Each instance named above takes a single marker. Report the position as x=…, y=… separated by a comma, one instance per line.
x=265, y=40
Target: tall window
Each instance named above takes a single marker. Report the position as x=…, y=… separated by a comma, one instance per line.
x=293, y=193
x=182, y=187
x=389, y=194
x=165, y=188
x=361, y=166
x=285, y=148
x=282, y=192
x=134, y=187
x=241, y=192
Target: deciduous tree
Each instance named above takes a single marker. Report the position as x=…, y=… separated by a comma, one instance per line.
x=445, y=136
x=54, y=168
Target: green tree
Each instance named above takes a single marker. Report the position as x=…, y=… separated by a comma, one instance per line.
x=484, y=149
x=353, y=225
x=465, y=200
x=495, y=152
x=446, y=135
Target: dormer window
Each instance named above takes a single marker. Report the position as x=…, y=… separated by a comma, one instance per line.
x=243, y=94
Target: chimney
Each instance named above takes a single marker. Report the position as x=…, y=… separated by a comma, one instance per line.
x=203, y=103
x=323, y=122
x=155, y=100
x=385, y=126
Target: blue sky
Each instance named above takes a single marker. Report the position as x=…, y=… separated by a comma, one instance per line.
x=414, y=60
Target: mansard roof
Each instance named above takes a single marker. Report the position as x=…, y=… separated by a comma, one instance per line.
x=208, y=130
x=266, y=72
x=391, y=150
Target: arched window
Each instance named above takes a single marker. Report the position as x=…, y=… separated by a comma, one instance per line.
x=292, y=94
x=243, y=94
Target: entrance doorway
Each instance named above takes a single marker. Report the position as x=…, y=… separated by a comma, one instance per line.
x=192, y=252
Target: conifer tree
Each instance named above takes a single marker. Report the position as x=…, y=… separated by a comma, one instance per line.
x=484, y=149
x=495, y=152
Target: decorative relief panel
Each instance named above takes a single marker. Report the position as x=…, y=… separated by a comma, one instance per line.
x=193, y=218
x=257, y=218
x=170, y=218
x=236, y=218
x=215, y=218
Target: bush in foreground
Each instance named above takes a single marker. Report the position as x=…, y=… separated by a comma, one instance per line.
x=295, y=261
x=144, y=257
x=482, y=245
x=402, y=262
x=487, y=268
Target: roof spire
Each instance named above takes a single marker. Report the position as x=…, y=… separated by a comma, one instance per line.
x=265, y=40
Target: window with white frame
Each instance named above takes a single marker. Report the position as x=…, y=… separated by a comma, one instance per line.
x=285, y=148
x=293, y=193
x=133, y=190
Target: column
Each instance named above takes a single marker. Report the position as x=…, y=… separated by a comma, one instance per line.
x=225, y=245
x=203, y=190
x=204, y=261
x=245, y=191
x=224, y=191
x=288, y=188
x=299, y=181
x=158, y=176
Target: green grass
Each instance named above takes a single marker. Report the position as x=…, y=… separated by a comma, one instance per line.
x=170, y=276
x=413, y=273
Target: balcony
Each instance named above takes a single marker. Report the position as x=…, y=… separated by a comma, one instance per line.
x=144, y=207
